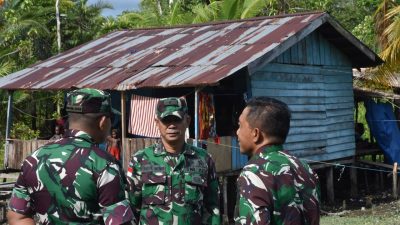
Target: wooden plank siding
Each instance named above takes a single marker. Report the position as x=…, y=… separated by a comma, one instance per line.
x=18, y=150
x=221, y=153
x=315, y=79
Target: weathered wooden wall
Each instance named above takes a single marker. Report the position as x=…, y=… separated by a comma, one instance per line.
x=315, y=79
x=18, y=150
x=133, y=145
x=221, y=153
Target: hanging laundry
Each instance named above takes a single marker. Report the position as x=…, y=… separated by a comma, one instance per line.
x=206, y=115
x=143, y=111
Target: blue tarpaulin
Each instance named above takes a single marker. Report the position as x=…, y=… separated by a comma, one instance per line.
x=383, y=126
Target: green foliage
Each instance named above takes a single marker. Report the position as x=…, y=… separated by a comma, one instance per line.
x=231, y=8
x=205, y=13
x=251, y=8
x=28, y=34
x=21, y=131
x=361, y=119
x=6, y=68
x=24, y=35
x=124, y=21
x=365, y=32
x=82, y=23
x=351, y=13
x=228, y=10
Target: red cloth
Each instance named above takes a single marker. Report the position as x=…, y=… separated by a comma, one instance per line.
x=114, y=151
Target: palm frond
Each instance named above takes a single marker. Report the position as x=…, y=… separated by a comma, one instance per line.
x=205, y=13
x=230, y=8
x=175, y=13
x=394, y=12
x=6, y=68
x=392, y=51
x=21, y=96
x=382, y=22
x=252, y=8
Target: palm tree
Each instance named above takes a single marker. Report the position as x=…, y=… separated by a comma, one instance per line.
x=22, y=30
x=388, y=30
x=229, y=9
x=28, y=34
x=241, y=9
x=82, y=22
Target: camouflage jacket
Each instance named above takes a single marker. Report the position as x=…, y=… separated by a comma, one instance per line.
x=71, y=181
x=277, y=188
x=187, y=193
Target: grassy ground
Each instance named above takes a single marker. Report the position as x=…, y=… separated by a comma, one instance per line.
x=387, y=214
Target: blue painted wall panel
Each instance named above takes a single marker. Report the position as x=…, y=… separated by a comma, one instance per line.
x=315, y=79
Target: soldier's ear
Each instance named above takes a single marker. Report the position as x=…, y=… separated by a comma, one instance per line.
x=256, y=135
x=103, y=122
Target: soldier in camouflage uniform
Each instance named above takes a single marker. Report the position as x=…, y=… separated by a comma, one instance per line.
x=173, y=182
x=71, y=180
x=274, y=187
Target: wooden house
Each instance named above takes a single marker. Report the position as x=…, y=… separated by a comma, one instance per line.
x=305, y=60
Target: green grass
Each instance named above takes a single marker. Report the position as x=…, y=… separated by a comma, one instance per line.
x=385, y=214
x=361, y=220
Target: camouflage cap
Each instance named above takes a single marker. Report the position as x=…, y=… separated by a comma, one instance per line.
x=89, y=100
x=171, y=107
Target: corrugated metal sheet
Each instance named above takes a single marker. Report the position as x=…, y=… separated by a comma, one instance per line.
x=167, y=57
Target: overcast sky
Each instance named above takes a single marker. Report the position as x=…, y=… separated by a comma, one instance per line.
x=119, y=6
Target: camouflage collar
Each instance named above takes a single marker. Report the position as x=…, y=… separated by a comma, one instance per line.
x=270, y=148
x=79, y=134
x=159, y=149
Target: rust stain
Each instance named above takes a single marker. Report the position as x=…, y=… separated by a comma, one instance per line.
x=162, y=57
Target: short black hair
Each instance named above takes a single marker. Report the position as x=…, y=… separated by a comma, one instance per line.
x=271, y=116
x=86, y=119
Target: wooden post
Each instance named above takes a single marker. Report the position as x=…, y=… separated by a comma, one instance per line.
x=381, y=181
x=196, y=118
x=225, y=196
x=123, y=126
x=329, y=185
x=366, y=182
x=8, y=127
x=353, y=182
x=395, y=180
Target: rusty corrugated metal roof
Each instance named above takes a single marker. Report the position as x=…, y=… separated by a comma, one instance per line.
x=194, y=55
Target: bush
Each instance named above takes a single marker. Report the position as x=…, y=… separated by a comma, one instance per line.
x=23, y=132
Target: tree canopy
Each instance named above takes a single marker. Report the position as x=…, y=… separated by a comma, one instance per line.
x=28, y=33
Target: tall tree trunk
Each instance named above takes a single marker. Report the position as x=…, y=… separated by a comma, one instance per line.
x=159, y=7
x=58, y=26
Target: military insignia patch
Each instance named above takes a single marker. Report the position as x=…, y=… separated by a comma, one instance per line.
x=130, y=171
